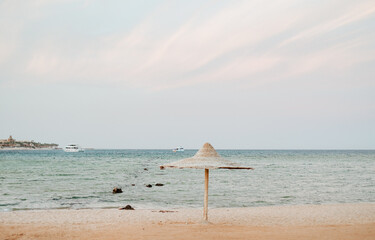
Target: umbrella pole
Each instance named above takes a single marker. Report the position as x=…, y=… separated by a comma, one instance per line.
x=205, y=209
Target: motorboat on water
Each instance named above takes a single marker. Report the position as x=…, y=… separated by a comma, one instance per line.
x=73, y=148
x=178, y=149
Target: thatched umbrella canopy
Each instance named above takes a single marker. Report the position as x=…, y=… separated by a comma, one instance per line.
x=206, y=158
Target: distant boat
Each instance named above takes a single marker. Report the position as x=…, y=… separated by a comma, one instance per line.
x=73, y=148
x=178, y=149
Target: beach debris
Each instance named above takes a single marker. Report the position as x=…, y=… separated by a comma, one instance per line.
x=116, y=190
x=127, y=207
x=166, y=211
x=145, y=169
x=159, y=184
x=149, y=185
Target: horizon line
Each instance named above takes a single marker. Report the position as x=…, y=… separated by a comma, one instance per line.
x=253, y=149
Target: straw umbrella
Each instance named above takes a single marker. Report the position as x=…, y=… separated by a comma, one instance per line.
x=206, y=158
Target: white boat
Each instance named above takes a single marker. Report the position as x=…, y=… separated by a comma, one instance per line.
x=73, y=148
x=178, y=149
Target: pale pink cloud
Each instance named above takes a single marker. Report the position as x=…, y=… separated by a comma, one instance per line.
x=357, y=13
x=335, y=59
x=180, y=57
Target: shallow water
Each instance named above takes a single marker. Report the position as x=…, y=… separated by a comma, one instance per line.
x=54, y=179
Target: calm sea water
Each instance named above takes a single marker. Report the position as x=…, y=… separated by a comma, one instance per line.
x=55, y=179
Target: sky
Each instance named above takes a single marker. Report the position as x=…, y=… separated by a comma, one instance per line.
x=161, y=74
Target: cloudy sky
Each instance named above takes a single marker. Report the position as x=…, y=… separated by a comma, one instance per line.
x=159, y=74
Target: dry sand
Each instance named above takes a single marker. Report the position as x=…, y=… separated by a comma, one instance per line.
x=339, y=221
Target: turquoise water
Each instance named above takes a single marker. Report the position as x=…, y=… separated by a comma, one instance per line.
x=55, y=179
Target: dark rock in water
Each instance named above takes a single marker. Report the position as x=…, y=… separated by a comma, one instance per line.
x=148, y=185
x=159, y=184
x=117, y=190
x=127, y=207
x=145, y=169
x=133, y=184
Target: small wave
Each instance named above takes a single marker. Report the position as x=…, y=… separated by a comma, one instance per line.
x=107, y=201
x=287, y=197
x=65, y=174
x=23, y=209
x=8, y=204
x=81, y=197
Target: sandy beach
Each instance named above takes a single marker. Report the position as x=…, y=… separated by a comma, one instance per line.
x=336, y=221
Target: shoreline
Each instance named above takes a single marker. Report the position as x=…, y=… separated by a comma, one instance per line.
x=340, y=221
x=343, y=213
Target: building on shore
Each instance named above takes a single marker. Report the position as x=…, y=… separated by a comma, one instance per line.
x=12, y=143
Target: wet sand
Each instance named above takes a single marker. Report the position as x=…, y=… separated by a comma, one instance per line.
x=338, y=221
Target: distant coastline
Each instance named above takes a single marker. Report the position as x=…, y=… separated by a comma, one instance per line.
x=23, y=148
x=12, y=144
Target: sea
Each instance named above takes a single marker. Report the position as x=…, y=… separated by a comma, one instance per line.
x=54, y=179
